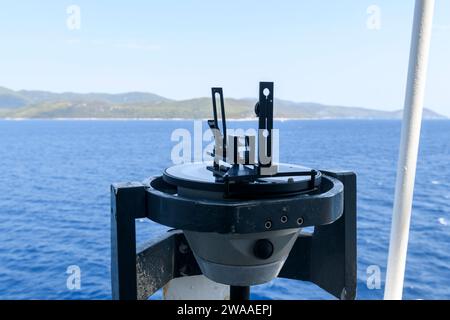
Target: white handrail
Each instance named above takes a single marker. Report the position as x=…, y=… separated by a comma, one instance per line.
x=409, y=145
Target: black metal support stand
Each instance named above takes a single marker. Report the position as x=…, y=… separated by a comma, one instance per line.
x=127, y=204
x=239, y=293
x=327, y=257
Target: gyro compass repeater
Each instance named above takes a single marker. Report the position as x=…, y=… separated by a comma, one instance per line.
x=238, y=219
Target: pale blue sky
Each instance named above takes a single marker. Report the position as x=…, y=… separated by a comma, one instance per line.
x=320, y=51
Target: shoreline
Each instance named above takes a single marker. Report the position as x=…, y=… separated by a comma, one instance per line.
x=205, y=119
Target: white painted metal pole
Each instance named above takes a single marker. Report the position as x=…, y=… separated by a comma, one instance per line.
x=409, y=146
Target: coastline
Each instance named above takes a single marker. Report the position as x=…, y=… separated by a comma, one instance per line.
x=205, y=119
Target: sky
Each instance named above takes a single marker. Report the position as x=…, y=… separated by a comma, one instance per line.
x=348, y=52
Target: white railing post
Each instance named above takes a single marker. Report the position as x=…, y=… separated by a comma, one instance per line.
x=409, y=145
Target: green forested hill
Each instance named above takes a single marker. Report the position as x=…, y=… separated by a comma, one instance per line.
x=48, y=105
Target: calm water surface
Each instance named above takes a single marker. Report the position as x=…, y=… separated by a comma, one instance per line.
x=55, y=204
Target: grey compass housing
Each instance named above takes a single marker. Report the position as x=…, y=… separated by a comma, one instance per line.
x=263, y=204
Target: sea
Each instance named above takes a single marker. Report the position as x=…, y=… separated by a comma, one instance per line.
x=55, y=179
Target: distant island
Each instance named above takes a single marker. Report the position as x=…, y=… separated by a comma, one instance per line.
x=25, y=104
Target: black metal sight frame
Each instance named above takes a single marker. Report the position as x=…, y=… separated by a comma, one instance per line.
x=245, y=169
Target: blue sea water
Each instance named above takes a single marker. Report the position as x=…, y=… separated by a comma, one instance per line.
x=55, y=202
